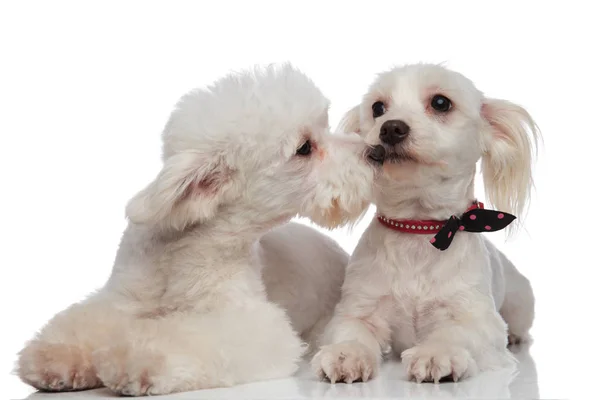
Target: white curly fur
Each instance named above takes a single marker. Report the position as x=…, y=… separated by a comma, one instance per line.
x=446, y=313
x=185, y=307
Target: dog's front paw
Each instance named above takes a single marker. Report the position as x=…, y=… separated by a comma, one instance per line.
x=56, y=367
x=131, y=373
x=427, y=363
x=345, y=362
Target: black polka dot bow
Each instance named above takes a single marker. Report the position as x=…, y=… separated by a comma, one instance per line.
x=476, y=219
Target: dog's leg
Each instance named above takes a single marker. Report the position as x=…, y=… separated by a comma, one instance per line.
x=188, y=351
x=457, y=339
x=518, y=306
x=59, y=357
x=314, y=336
x=360, y=327
x=513, y=295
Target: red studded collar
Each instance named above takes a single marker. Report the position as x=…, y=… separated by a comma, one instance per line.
x=475, y=219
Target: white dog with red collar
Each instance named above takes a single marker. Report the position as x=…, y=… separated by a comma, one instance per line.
x=447, y=313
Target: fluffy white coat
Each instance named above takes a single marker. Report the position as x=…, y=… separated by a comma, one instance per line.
x=185, y=307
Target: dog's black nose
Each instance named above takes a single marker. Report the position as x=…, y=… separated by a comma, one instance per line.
x=393, y=131
x=377, y=154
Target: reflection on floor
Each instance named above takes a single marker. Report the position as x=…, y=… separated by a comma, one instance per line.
x=520, y=382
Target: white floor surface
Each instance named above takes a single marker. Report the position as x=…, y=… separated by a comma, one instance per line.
x=521, y=383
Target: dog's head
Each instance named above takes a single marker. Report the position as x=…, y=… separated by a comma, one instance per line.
x=434, y=126
x=255, y=145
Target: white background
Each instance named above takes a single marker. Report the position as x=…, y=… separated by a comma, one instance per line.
x=85, y=88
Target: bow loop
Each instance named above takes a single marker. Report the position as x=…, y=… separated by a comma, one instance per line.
x=482, y=220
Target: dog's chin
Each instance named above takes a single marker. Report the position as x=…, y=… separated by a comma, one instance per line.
x=335, y=216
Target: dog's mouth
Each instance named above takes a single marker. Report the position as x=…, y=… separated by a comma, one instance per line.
x=380, y=154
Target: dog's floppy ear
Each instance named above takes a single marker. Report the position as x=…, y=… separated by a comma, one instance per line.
x=350, y=121
x=510, y=141
x=189, y=189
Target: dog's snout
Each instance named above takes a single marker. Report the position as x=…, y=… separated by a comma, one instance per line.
x=393, y=131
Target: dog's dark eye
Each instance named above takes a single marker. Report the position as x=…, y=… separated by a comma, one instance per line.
x=378, y=109
x=441, y=103
x=305, y=149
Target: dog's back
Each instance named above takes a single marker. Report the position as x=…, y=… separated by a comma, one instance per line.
x=303, y=272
